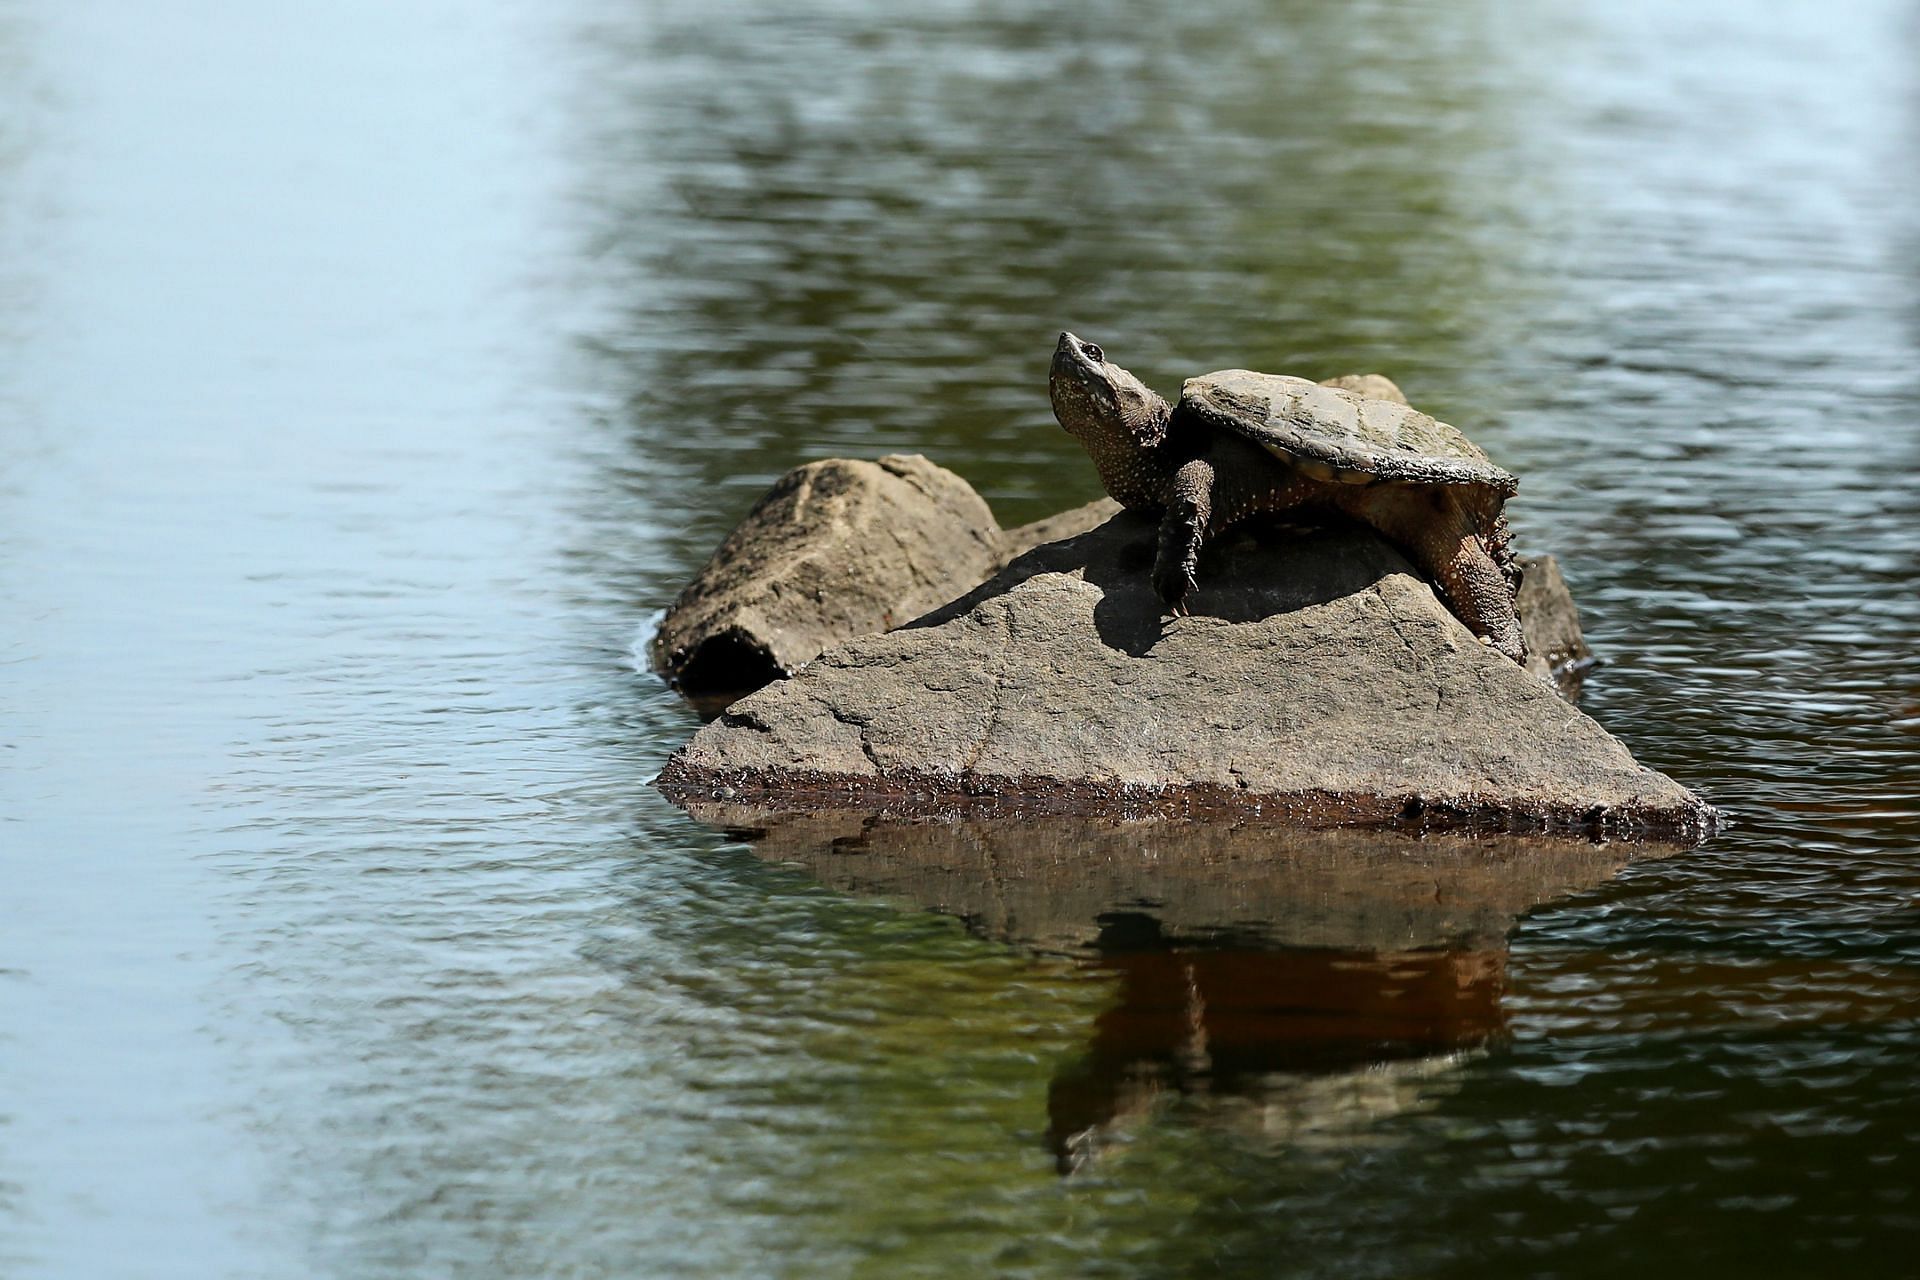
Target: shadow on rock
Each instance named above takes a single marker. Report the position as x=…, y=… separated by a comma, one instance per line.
x=1260, y=572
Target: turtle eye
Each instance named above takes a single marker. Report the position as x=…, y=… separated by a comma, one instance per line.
x=1094, y=352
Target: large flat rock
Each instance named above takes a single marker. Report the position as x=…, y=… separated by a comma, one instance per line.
x=1319, y=681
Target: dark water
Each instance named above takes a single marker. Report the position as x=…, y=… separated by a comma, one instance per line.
x=370, y=373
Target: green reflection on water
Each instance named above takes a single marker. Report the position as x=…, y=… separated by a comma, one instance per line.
x=840, y=243
x=847, y=232
x=475, y=1024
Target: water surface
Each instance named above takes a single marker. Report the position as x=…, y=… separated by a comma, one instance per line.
x=370, y=374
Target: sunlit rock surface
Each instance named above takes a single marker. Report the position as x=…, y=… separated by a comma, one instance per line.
x=1065, y=524
x=1319, y=681
x=835, y=549
x=1556, y=647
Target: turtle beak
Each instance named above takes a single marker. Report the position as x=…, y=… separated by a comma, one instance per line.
x=1076, y=352
x=1067, y=353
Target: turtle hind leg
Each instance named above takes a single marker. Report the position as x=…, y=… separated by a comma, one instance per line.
x=1500, y=547
x=1441, y=539
x=1479, y=594
x=1183, y=528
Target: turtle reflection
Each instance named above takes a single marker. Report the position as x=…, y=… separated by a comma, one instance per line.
x=1313, y=1044
x=1295, y=984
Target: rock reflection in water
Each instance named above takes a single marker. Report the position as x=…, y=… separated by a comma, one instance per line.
x=1291, y=985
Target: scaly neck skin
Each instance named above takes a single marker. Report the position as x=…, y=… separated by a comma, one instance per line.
x=1121, y=423
x=1135, y=477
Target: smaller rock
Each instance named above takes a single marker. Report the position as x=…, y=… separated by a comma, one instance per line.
x=1556, y=649
x=1370, y=386
x=1055, y=528
x=836, y=549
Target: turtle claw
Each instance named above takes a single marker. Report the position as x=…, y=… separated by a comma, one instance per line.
x=1173, y=589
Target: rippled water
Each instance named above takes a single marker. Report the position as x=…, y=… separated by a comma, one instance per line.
x=369, y=374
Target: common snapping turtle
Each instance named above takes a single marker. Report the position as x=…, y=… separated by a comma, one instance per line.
x=1243, y=444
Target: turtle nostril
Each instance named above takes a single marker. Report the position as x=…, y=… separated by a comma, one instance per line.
x=1093, y=352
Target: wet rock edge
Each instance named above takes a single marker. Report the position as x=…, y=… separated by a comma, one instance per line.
x=899, y=793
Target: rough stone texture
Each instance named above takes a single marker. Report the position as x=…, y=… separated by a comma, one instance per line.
x=836, y=549
x=1064, y=883
x=1015, y=543
x=1319, y=682
x=1369, y=386
x=1556, y=647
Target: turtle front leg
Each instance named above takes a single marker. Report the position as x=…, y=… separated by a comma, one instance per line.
x=1183, y=527
x=1235, y=481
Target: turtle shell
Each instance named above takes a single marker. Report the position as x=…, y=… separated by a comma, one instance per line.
x=1329, y=430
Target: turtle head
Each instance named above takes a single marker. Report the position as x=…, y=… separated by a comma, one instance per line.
x=1102, y=405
